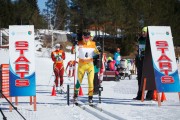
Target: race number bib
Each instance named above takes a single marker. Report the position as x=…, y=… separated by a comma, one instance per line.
x=86, y=53
x=58, y=57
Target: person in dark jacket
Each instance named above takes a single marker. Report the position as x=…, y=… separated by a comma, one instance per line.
x=139, y=64
x=97, y=61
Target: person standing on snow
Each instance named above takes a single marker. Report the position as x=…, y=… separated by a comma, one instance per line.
x=139, y=64
x=57, y=57
x=87, y=49
x=97, y=61
x=117, y=56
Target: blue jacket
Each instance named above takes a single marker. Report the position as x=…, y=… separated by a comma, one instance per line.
x=117, y=57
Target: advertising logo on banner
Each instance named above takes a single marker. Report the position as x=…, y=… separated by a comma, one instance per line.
x=163, y=58
x=22, y=63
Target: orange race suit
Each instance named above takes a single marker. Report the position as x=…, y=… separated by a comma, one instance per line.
x=58, y=56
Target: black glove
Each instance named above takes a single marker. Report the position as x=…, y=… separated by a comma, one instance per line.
x=99, y=48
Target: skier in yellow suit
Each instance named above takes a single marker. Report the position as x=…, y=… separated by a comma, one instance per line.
x=87, y=49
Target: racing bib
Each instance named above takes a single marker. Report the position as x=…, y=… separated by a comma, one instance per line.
x=86, y=53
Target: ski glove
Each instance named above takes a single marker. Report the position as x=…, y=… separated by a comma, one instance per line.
x=99, y=48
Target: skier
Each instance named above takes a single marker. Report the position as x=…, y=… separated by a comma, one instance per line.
x=139, y=64
x=87, y=49
x=57, y=57
x=71, y=65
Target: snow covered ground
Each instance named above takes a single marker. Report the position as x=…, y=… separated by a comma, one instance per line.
x=116, y=99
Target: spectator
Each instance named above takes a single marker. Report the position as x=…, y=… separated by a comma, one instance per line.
x=117, y=56
x=97, y=61
x=139, y=64
x=108, y=61
x=112, y=65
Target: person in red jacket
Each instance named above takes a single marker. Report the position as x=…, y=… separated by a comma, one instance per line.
x=112, y=65
x=57, y=57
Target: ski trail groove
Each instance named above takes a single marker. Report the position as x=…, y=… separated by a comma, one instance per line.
x=98, y=112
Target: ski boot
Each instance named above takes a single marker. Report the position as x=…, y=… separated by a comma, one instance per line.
x=61, y=89
x=57, y=89
x=75, y=99
x=90, y=100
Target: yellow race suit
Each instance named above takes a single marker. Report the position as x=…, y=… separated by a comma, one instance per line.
x=86, y=52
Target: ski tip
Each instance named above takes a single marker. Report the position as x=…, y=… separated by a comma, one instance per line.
x=91, y=105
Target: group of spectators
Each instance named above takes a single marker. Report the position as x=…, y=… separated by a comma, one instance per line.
x=113, y=63
x=116, y=63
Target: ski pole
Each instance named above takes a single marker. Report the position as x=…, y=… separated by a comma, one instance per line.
x=68, y=94
x=15, y=108
x=50, y=78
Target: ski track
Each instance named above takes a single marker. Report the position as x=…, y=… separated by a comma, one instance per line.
x=97, y=111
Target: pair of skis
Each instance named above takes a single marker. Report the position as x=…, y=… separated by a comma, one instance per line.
x=61, y=91
x=80, y=104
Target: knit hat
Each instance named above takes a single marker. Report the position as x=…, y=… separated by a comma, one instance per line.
x=57, y=46
x=110, y=58
x=144, y=29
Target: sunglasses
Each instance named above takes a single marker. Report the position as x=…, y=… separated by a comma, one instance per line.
x=87, y=36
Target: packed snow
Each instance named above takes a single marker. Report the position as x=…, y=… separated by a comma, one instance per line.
x=116, y=98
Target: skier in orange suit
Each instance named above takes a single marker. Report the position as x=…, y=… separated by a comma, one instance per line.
x=57, y=57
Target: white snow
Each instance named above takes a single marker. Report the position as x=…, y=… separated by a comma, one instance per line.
x=116, y=98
